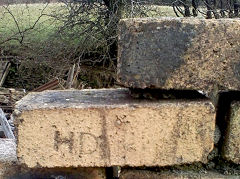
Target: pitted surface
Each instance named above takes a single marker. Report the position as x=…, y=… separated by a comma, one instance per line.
x=232, y=139
x=128, y=133
x=180, y=53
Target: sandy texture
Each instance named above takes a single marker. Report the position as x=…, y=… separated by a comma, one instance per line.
x=113, y=129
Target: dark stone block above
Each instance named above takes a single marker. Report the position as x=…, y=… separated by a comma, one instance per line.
x=180, y=54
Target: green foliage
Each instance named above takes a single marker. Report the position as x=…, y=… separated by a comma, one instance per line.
x=26, y=16
x=48, y=26
x=60, y=38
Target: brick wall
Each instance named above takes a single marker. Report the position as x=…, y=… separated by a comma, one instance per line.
x=180, y=117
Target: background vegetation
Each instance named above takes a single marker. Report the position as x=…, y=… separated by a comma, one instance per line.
x=76, y=40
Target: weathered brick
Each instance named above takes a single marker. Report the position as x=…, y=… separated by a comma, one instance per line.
x=107, y=127
x=232, y=138
x=180, y=53
x=143, y=174
x=17, y=171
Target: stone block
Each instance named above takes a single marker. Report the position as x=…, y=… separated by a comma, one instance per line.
x=232, y=137
x=180, y=54
x=17, y=171
x=107, y=127
x=7, y=150
x=173, y=174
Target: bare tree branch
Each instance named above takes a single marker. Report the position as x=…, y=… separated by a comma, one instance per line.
x=21, y=32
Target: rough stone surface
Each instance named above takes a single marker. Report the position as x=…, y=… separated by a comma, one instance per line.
x=107, y=127
x=8, y=169
x=180, y=53
x=16, y=171
x=143, y=174
x=232, y=138
x=8, y=150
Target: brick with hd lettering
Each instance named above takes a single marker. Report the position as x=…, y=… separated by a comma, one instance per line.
x=180, y=54
x=107, y=127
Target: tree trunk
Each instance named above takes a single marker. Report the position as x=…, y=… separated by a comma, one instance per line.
x=236, y=6
x=195, y=4
x=112, y=17
x=186, y=9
